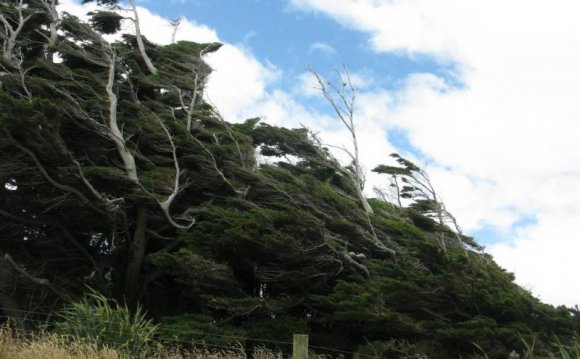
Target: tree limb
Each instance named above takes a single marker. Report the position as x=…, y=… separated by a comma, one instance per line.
x=139, y=38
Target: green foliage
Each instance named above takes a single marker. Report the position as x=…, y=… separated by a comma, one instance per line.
x=100, y=320
x=196, y=329
x=401, y=228
x=107, y=22
x=390, y=349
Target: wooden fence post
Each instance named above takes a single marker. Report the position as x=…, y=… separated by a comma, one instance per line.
x=300, y=346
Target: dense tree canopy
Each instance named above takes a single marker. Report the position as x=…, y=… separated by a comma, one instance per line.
x=117, y=176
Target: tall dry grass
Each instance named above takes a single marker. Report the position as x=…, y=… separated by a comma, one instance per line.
x=15, y=345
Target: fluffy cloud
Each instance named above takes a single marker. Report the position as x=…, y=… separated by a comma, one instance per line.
x=503, y=144
x=530, y=256
x=238, y=82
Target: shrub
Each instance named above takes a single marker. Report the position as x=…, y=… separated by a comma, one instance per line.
x=97, y=319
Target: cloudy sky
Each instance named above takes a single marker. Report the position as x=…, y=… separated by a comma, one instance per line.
x=484, y=93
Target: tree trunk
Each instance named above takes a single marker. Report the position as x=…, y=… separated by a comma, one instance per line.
x=135, y=256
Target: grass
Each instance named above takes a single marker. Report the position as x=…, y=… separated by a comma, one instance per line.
x=16, y=345
x=52, y=346
x=13, y=346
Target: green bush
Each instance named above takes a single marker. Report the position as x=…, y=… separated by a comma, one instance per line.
x=97, y=319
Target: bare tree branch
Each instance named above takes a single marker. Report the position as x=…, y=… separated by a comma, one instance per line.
x=167, y=203
x=139, y=38
x=189, y=107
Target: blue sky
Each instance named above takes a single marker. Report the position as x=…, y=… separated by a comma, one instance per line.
x=277, y=32
x=475, y=90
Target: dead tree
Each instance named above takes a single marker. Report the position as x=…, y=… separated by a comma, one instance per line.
x=342, y=98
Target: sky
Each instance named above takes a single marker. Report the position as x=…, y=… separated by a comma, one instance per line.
x=483, y=93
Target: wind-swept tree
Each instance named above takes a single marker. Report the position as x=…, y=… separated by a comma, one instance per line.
x=410, y=182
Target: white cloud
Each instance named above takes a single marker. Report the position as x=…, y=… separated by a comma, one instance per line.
x=508, y=138
x=158, y=29
x=530, y=257
x=238, y=81
x=321, y=47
